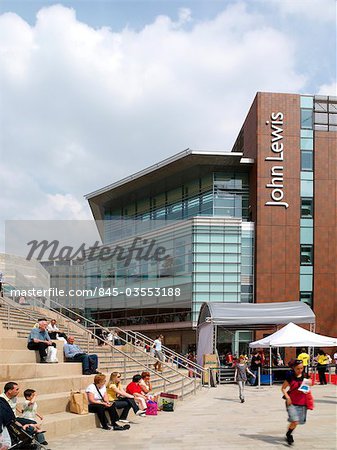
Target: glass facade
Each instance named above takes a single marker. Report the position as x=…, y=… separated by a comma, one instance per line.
x=216, y=194
x=308, y=121
x=223, y=264
x=212, y=261
x=325, y=113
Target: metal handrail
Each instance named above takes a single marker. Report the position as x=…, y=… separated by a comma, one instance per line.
x=183, y=361
x=98, y=326
x=167, y=350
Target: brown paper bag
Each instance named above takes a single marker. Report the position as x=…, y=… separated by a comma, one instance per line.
x=78, y=403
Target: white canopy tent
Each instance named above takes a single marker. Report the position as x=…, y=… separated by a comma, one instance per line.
x=246, y=316
x=294, y=336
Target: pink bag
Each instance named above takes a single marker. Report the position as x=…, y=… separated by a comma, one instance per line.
x=152, y=408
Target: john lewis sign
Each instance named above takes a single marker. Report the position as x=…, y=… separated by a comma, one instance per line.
x=277, y=150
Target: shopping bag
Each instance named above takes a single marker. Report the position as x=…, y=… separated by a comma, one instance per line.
x=51, y=354
x=78, y=403
x=152, y=408
x=166, y=401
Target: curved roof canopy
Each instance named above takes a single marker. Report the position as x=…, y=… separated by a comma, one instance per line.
x=255, y=315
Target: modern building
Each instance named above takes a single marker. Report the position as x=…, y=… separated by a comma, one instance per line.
x=257, y=224
x=22, y=278
x=66, y=277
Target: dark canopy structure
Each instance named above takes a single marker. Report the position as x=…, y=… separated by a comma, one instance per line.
x=248, y=316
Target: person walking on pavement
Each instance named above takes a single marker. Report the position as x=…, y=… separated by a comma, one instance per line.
x=296, y=400
x=241, y=370
x=157, y=345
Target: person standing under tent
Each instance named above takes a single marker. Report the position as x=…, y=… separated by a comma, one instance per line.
x=241, y=370
x=296, y=401
x=305, y=358
x=322, y=363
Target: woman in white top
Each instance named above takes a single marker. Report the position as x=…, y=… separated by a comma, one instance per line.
x=99, y=404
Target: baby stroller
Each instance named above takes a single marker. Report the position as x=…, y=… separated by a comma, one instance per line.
x=22, y=440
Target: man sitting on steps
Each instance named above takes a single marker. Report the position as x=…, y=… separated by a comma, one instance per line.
x=74, y=353
x=39, y=339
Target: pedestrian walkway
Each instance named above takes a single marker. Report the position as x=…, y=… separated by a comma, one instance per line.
x=215, y=419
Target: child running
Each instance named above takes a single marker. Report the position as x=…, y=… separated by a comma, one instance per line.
x=296, y=400
x=241, y=370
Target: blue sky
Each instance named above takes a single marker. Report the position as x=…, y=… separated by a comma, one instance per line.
x=92, y=91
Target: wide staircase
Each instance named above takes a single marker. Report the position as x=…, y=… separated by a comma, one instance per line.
x=54, y=382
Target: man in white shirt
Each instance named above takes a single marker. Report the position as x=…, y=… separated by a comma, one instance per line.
x=157, y=345
x=54, y=331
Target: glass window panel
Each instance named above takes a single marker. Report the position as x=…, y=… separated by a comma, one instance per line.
x=307, y=160
x=333, y=107
x=307, y=133
x=216, y=287
x=306, y=102
x=332, y=119
x=200, y=267
x=202, y=238
x=231, y=267
x=321, y=106
x=232, y=248
x=321, y=127
x=333, y=127
x=306, y=297
x=307, y=144
x=216, y=267
x=307, y=205
x=231, y=297
x=216, y=257
x=306, y=118
x=202, y=287
x=200, y=297
x=231, y=287
x=307, y=176
x=231, y=278
x=231, y=239
x=203, y=248
x=306, y=270
x=246, y=261
x=306, y=235
x=305, y=282
x=216, y=277
x=202, y=257
x=217, y=238
x=216, y=297
x=321, y=118
x=202, y=277
x=232, y=258
x=219, y=248
x=307, y=188
x=306, y=255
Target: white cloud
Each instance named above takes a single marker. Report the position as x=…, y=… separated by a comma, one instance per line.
x=328, y=89
x=315, y=10
x=83, y=107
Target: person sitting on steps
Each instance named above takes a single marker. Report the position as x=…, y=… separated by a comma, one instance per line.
x=39, y=339
x=74, y=353
x=54, y=331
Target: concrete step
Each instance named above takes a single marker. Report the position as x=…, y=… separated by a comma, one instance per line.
x=53, y=385
x=19, y=371
x=63, y=423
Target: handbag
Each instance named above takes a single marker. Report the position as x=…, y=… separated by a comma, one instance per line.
x=78, y=403
x=152, y=408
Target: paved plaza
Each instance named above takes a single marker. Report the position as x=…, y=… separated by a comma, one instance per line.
x=214, y=419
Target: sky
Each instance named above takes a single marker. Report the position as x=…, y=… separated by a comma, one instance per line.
x=93, y=91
